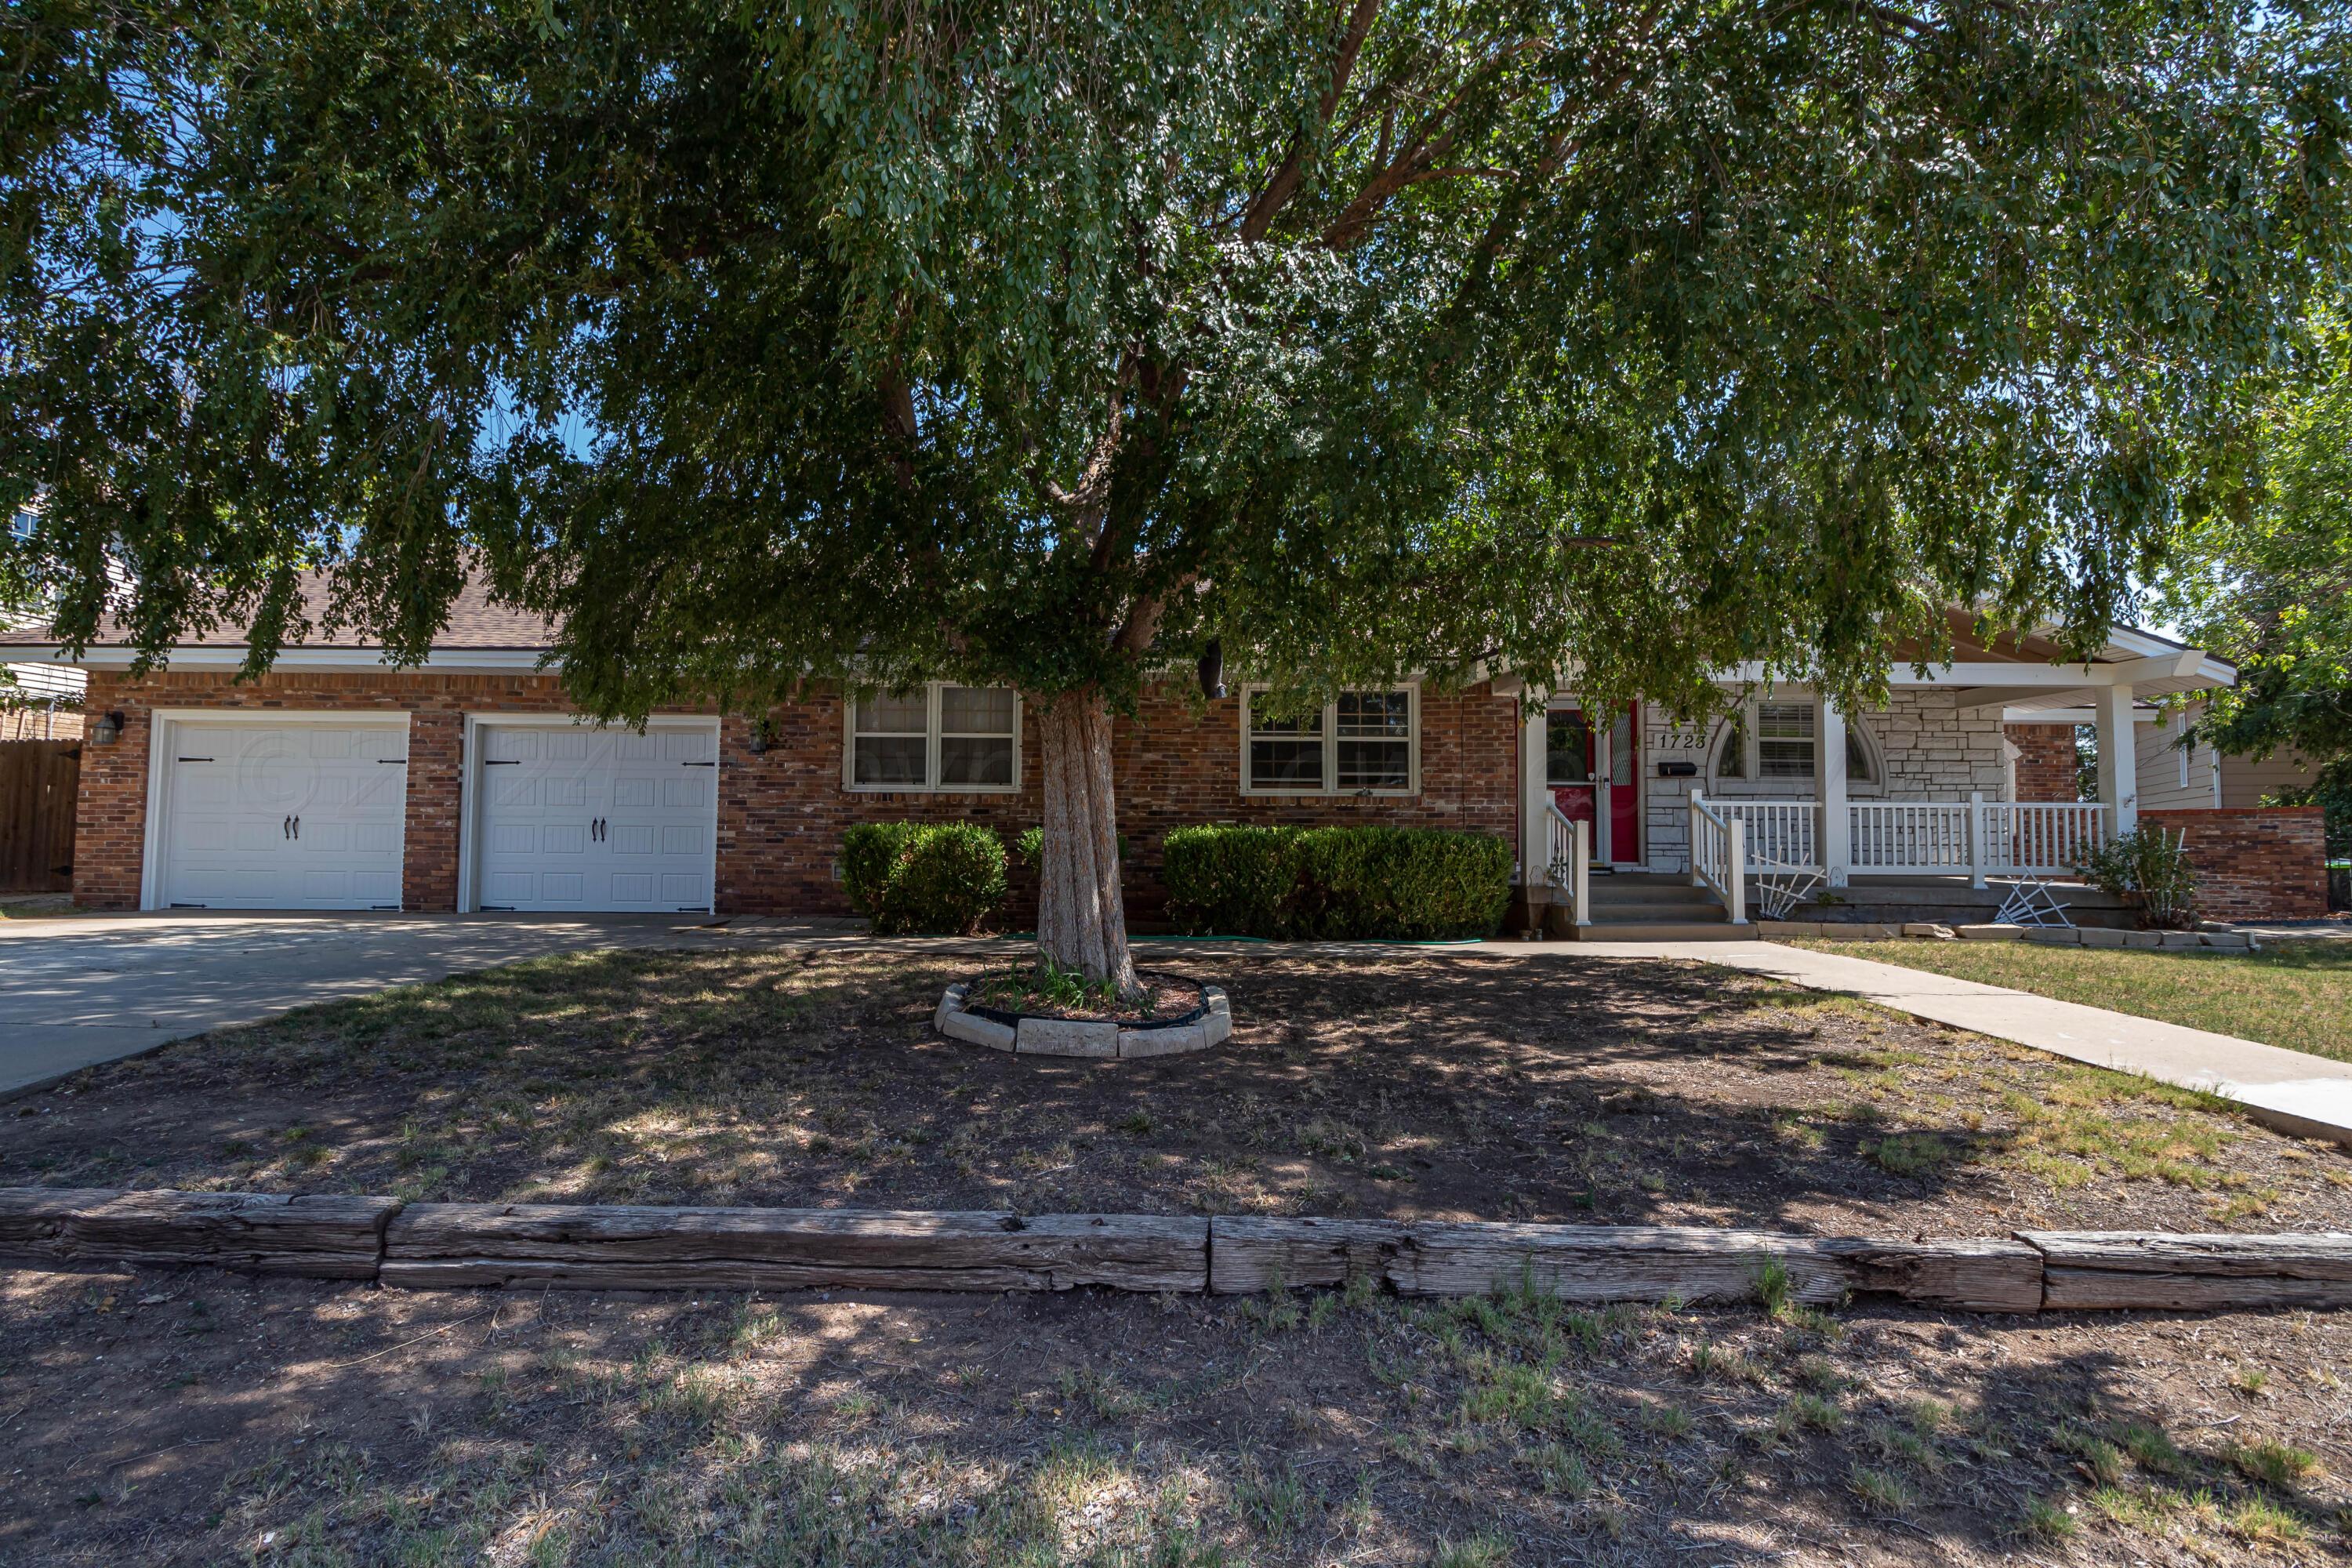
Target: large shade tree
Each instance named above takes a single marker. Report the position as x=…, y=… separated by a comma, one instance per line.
x=2268, y=582
x=1038, y=342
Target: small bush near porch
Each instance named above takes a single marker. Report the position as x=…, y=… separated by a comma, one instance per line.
x=2294, y=994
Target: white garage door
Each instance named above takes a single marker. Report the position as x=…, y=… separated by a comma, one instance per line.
x=585, y=819
x=281, y=816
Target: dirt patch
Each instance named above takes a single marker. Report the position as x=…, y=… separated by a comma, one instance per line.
x=182, y=1418
x=1431, y=1086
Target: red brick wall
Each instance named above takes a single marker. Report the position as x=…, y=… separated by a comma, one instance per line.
x=2265, y=862
x=2045, y=760
x=781, y=814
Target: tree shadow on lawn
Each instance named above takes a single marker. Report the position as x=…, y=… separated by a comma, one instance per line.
x=317, y=1423
x=1432, y=1085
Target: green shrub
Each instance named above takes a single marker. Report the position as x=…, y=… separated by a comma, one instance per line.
x=1402, y=883
x=2147, y=862
x=923, y=876
x=1231, y=881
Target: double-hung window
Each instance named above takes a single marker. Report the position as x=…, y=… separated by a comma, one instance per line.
x=1780, y=741
x=941, y=737
x=1784, y=740
x=1361, y=743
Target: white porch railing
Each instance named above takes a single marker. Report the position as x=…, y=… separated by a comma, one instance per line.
x=1929, y=836
x=1778, y=832
x=1972, y=837
x=1719, y=856
x=1568, y=860
x=2042, y=837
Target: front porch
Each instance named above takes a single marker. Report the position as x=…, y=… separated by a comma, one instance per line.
x=1912, y=806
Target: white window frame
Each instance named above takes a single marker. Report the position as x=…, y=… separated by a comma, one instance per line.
x=1742, y=723
x=1330, y=785
x=931, y=691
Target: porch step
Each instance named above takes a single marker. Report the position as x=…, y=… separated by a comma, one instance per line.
x=1637, y=907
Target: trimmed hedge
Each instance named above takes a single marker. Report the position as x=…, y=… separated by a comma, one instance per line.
x=929, y=878
x=1402, y=883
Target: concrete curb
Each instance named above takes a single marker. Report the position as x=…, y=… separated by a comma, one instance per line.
x=610, y=1247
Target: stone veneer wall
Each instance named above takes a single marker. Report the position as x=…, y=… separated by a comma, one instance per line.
x=1927, y=750
x=781, y=814
x=2254, y=863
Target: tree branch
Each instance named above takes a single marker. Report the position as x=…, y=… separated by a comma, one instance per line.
x=1285, y=183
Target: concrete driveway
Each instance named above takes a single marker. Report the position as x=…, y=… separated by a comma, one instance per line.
x=89, y=989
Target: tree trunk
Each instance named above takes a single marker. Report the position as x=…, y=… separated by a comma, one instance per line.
x=1081, y=924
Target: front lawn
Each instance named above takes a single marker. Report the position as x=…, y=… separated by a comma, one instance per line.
x=1433, y=1085
x=2295, y=995
x=168, y=1419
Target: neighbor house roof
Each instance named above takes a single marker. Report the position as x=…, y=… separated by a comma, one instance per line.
x=480, y=633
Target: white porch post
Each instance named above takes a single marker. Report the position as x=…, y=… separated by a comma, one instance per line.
x=1533, y=840
x=2118, y=758
x=1837, y=854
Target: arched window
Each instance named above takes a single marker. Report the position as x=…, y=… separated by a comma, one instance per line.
x=1769, y=741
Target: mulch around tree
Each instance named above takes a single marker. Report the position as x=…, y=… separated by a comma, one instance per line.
x=1430, y=1085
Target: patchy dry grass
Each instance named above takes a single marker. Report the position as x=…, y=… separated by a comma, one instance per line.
x=1437, y=1086
x=2295, y=995
x=199, y=1417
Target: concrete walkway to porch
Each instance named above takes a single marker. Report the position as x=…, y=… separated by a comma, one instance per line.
x=2292, y=1090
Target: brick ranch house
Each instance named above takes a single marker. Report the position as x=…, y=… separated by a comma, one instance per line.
x=468, y=784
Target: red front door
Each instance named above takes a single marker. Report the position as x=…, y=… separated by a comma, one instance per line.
x=1625, y=788
x=1575, y=766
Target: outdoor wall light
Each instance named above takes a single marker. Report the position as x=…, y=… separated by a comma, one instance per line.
x=107, y=729
x=758, y=744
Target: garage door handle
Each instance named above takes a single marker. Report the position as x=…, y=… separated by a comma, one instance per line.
x=297, y=829
x=286, y=827
x=697, y=764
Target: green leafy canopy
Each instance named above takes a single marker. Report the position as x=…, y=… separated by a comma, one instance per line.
x=2269, y=584
x=1035, y=342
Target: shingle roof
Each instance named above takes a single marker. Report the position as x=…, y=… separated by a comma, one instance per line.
x=475, y=622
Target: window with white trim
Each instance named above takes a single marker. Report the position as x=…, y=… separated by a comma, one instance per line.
x=1361, y=743
x=1767, y=741
x=1784, y=741
x=965, y=738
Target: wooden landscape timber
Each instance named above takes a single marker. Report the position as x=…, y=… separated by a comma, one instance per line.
x=2094, y=1269
x=324, y=1237
x=609, y=1246
x=1616, y=1263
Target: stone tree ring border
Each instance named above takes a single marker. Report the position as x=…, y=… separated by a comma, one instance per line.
x=1029, y=1034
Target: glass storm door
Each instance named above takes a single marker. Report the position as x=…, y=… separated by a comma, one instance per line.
x=1569, y=759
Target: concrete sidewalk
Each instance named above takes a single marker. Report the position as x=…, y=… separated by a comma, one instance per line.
x=2292, y=1090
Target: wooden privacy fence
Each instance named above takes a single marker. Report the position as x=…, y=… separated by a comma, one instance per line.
x=605, y=1246
x=39, y=782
